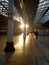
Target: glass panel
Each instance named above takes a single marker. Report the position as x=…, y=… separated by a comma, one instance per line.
x=42, y=7
x=3, y=6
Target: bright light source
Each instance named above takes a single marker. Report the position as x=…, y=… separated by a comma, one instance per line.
x=22, y=26
x=27, y=26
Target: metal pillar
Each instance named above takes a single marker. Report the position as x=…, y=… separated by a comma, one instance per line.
x=9, y=44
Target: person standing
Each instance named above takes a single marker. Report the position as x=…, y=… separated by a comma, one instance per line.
x=36, y=33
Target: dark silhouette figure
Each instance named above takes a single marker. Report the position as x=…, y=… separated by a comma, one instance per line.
x=36, y=33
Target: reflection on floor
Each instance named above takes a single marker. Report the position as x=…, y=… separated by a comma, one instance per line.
x=35, y=52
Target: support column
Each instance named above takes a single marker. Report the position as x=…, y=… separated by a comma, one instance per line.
x=9, y=44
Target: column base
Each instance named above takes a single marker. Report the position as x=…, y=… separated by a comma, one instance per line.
x=9, y=47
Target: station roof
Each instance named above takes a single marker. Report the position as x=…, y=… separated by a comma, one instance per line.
x=34, y=11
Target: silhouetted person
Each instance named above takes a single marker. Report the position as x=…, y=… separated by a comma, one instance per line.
x=24, y=35
x=36, y=33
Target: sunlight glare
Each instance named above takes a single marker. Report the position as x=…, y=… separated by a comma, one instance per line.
x=27, y=39
x=34, y=37
x=22, y=26
x=19, y=45
x=27, y=26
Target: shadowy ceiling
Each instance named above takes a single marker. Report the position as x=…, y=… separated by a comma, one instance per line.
x=29, y=8
x=25, y=7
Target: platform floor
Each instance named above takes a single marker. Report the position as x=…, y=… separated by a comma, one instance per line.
x=35, y=52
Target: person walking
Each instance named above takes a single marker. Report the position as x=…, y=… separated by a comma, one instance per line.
x=36, y=34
